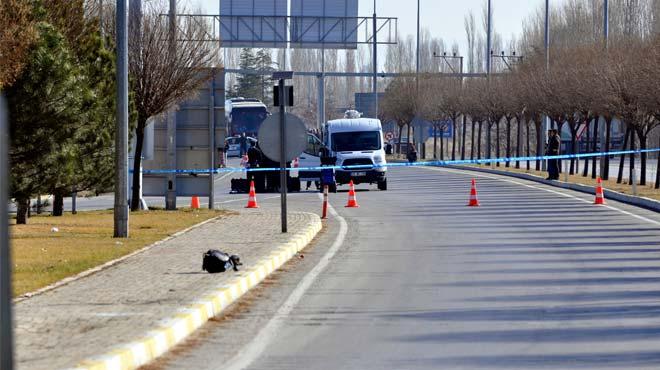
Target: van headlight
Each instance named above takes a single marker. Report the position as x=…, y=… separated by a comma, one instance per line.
x=378, y=159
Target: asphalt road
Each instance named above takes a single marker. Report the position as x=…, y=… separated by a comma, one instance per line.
x=534, y=278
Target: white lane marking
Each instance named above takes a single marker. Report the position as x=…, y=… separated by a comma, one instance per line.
x=225, y=175
x=255, y=348
x=548, y=190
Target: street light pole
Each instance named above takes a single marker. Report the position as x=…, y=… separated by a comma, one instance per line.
x=6, y=327
x=489, y=32
x=375, y=66
x=121, y=136
x=546, y=119
x=602, y=137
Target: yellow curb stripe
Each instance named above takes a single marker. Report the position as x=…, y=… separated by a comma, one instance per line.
x=135, y=354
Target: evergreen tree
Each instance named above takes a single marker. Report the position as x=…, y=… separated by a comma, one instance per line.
x=88, y=164
x=44, y=104
x=264, y=62
x=248, y=85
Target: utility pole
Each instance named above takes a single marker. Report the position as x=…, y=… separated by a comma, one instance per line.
x=604, y=163
x=416, y=78
x=375, y=66
x=6, y=327
x=170, y=198
x=121, y=136
x=489, y=37
x=546, y=119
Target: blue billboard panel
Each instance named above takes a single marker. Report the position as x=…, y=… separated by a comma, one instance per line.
x=331, y=24
x=445, y=129
x=253, y=23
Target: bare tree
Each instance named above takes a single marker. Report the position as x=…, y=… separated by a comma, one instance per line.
x=164, y=72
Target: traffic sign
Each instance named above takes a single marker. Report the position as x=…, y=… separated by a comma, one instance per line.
x=269, y=137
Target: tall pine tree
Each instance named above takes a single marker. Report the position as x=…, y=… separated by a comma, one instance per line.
x=248, y=85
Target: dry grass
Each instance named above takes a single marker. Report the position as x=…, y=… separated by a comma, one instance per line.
x=42, y=257
x=647, y=191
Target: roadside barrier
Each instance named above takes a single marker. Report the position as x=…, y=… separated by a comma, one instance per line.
x=474, y=202
x=252, y=199
x=352, y=199
x=194, y=202
x=600, y=197
x=325, y=202
x=414, y=164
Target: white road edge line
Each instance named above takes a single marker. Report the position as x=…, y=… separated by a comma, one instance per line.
x=544, y=189
x=256, y=347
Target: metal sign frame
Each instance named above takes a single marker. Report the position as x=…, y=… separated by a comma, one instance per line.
x=386, y=28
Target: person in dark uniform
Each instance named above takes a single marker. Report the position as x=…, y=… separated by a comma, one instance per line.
x=243, y=144
x=553, y=149
x=254, y=161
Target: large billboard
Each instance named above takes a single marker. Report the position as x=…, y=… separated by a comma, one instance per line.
x=330, y=24
x=253, y=23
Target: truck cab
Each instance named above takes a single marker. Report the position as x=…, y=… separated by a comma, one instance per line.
x=358, y=143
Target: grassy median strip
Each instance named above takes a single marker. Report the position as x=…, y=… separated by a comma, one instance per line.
x=43, y=256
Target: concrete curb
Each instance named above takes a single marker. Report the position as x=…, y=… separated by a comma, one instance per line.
x=108, y=264
x=175, y=329
x=642, y=202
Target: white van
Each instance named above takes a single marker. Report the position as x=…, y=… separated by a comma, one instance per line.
x=357, y=141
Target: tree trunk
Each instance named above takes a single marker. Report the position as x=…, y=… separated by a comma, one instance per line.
x=518, y=140
x=479, y=141
x=497, y=142
x=22, y=207
x=529, y=142
x=442, y=143
x=472, y=141
x=594, y=170
x=539, y=142
x=608, y=135
x=585, y=172
x=400, y=133
x=137, y=162
x=453, y=138
x=435, y=141
x=464, y=135
x=489, y=137
x=632, y=159
x=573, y=129
x=622, y=161
x=409, y=141
x=642, y=156
x=657, y=169
x=58, y=202
x=508, y=141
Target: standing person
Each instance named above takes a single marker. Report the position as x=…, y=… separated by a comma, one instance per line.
x=254, y=161
x=412, y=154
x=243, y=142
x=553, y=149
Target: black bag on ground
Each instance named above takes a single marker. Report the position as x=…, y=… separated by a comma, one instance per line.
x=216, y=261
x=240, y=186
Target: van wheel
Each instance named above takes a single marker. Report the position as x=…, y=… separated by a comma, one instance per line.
x=382, y=185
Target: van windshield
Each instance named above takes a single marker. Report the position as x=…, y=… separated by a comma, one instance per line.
x=356, y=141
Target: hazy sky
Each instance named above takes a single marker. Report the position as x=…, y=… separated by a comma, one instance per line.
x=443, y=18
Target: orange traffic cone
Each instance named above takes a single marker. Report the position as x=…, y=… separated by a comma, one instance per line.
x=252, y=200
x=600, y=196
x=352, y=200
x=194, y=203
x=474, y=202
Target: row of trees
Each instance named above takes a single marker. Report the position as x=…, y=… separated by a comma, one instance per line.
x=580, y=86
x=57, y=71
x=59, y=87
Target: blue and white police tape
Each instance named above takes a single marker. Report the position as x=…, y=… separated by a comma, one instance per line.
x=400, y=164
